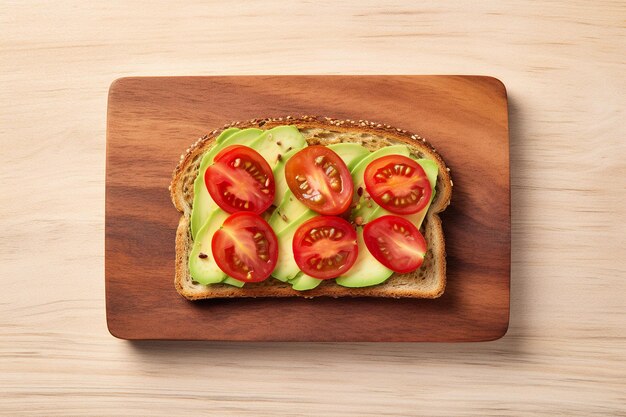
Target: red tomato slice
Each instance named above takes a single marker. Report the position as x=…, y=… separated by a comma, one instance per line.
x=398, y=184
x=240, y=180
x=325, y=247
x=396, y=243
x=320, y=179
x=245, y=247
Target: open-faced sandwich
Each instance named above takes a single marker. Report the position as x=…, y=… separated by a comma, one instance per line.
x=310, y=207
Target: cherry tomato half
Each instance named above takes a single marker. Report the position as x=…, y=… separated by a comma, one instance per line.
x=240, y=180
x=320, y=179
x=245, y=247
x=395, y=242
x=325, y=247
x=398, y=184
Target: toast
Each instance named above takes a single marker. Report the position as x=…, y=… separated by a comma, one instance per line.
x=427, y=282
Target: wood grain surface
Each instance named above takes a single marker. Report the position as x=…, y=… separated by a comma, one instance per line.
x=563, y=65
x=152, y=120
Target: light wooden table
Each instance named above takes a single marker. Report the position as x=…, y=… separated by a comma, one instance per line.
x=563, y=64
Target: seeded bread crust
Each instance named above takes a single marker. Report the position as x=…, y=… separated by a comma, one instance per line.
x=427, y=282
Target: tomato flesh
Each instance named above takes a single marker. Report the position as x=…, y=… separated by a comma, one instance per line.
x=396, y=243
x=240, y=180
x=319, y=178
x=325, y=247
x=398, y=184
x=245, y=247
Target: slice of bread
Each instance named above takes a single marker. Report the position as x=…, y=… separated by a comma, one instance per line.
x=427, y=282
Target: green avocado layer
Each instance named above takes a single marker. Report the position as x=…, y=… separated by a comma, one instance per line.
x=277, y=145
x=206, y=216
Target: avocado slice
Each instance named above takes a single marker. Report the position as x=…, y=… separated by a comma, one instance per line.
x=225, y=134
x=365, y=207
x=273, y=144
x=303, y=282
x=233, y=282
x=202, y=201
x=205, y=270
x=366, y=270
x=279, y=176
x=351, y=153
x=289, y=210
x=202, y=265
x=286, y=267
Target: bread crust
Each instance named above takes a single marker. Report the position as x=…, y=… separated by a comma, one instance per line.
x=428, y=282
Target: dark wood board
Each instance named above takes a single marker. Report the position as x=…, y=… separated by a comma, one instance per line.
x=152, y=120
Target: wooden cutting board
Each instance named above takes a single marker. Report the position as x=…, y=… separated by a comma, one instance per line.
x=151, y=121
